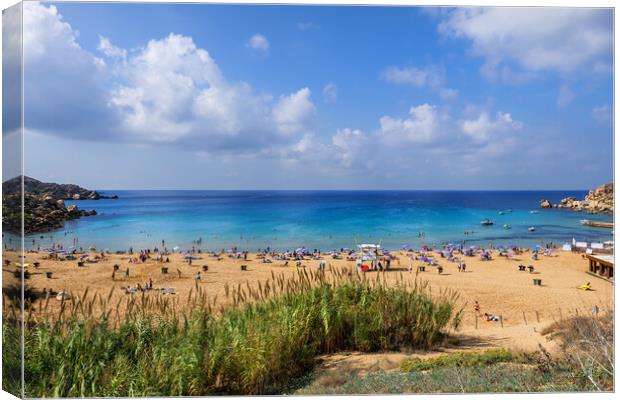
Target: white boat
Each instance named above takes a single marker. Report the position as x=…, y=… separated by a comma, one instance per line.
x=506, y=226
x=501, y=213
x=531, y=229
x=486, y=222
x=534, y=212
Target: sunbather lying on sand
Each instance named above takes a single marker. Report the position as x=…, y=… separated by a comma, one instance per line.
x=490, y=317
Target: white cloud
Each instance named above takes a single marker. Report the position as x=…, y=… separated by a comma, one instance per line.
x=258, y=42
x=565, y=96
x=107, y=48
x=330, y=92
x=413, y=76
x=428, y=140
x=602, y=114
x=169, y=91
x=429, y=77
x=11, y=70
x=482, y=129
x=293, y=113
x=66, y=85
x=448, y=94
x=533, y=40
x=351, y=147
x=420, y=127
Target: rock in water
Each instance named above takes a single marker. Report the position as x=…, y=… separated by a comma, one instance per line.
x=598, y=201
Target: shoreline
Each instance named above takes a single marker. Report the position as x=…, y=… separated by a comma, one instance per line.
x=31, y=245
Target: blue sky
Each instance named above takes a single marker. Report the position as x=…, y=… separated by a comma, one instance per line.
x=277, y=97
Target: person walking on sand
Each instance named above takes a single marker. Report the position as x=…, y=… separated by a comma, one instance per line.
x=477, y=307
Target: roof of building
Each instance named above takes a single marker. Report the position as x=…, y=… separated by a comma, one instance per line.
x=609, y=259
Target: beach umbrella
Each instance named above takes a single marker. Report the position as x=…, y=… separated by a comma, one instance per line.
x=175, y=248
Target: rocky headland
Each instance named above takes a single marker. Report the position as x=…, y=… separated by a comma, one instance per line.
x=598, y=201
x=44, y=204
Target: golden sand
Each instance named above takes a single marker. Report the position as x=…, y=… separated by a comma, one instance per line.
x=499, y=287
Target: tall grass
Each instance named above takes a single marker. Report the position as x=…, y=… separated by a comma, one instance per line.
x=584, y=363
x=271, y=335
x=587, y=343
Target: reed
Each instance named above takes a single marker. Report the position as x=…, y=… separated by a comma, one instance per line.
x=256, y=346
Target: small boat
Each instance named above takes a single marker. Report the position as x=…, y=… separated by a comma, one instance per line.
x=597, y=224
x=506, y=226
x=501, y=213
x=486, y=222
x=534, y=212
x=510, y=210
x=531, y=229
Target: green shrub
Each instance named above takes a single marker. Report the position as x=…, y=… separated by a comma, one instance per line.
x=254, y=348
x=462, y=359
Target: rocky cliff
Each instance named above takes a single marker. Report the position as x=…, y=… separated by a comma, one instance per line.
x=598, y=201
x=44, y=204
x=55, y=190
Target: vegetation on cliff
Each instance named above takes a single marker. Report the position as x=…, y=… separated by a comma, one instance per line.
x=44, y=204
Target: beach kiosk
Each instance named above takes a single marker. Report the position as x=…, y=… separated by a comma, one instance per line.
x=367, y=257
x=602, y=265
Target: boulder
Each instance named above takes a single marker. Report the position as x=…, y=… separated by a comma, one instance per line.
x=86, y=213
x=63, y=296
x=48, y=199
x=76, y=197
x=544, y=203
x=567, y=202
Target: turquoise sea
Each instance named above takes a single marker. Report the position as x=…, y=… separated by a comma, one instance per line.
x=319, y=219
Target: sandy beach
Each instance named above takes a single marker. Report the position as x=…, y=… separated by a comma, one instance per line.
x=498, y=285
